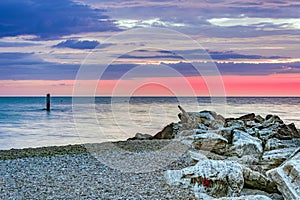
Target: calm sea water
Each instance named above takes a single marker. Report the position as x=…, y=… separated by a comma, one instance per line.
x=24, y=123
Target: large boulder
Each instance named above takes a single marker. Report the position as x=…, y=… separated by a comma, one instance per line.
x=275, y=143
x=287, y=177
x=215, y=178
x=210, y=142
x=256, y=180
x=287, y=132
x=194, y=120
x=245, y=144
x=247, y=117
x=274, y=158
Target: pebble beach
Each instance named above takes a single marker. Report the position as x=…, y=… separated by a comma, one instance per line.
x=72, y=172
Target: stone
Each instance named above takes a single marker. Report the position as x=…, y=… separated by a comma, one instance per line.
x=216, y=124
x=273, y=143
x=267, y=133
x=196, y=155
x=215, y=178
x=209, y=115
x=245, y=144
x=247, y=160
x=141, y=136
x=252, y=124
x=185, y=133
x=270, y=120
x=256, y=180
x=248, y=197
x=210, y=142
x=253, y=131
x=204, y=196
x=247, y=117
x=226, y=132
x=166, y=133
x=287, y=132
x=203, y=128
x=235, y=124
x=273, y=196
x=287, y=176
x=258, y=119
x=274, y=158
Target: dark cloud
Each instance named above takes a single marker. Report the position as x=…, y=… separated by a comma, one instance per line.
x=195, y=54
x=187, y=69
x=50, y=19
x=27, y=66
x=17, y=44
x=258, y=69
x=227, y=55
x=77, y=44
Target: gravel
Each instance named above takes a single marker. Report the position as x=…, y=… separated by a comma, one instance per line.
x=91, y=174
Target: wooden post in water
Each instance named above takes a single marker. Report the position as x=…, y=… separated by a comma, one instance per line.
x=48, y=102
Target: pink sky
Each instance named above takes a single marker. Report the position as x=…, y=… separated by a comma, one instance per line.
x=272, y=85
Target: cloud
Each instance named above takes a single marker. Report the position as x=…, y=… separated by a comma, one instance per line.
x=154, y=22
x=28, y=66
x=195, y=54
x=280, y=23
x=18, y=44
x=274, y=17
x=227, y=55
x=50, y=19
x=77, y=44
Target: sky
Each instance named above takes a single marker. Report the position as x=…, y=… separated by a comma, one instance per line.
x=150, y=47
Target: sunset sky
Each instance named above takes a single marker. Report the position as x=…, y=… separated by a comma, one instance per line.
x=241, y=47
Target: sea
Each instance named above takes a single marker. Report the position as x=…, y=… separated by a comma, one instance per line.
x=25, y=123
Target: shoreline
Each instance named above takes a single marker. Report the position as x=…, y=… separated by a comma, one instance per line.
x=48, y=151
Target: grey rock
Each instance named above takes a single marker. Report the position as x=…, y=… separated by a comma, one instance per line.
x=273, y=143
x=215, y=178
x=245, y=144
x=274, y=158
x=273, y=196
x=247, y=117
x=267, y=133
x=185, y=133
x=256, y=180
x=287, y=177
x=210, y=142
x=217, y=124
x=270, y=120
x=258, y=119
x=226, y=132
x=287, y=132
x=203, y=127
x=235, y=124
x=207, y=115
x=252, y=124
x=195, y=155
x=248, y=197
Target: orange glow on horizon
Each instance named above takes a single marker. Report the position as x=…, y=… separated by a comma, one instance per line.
x=272, y=85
